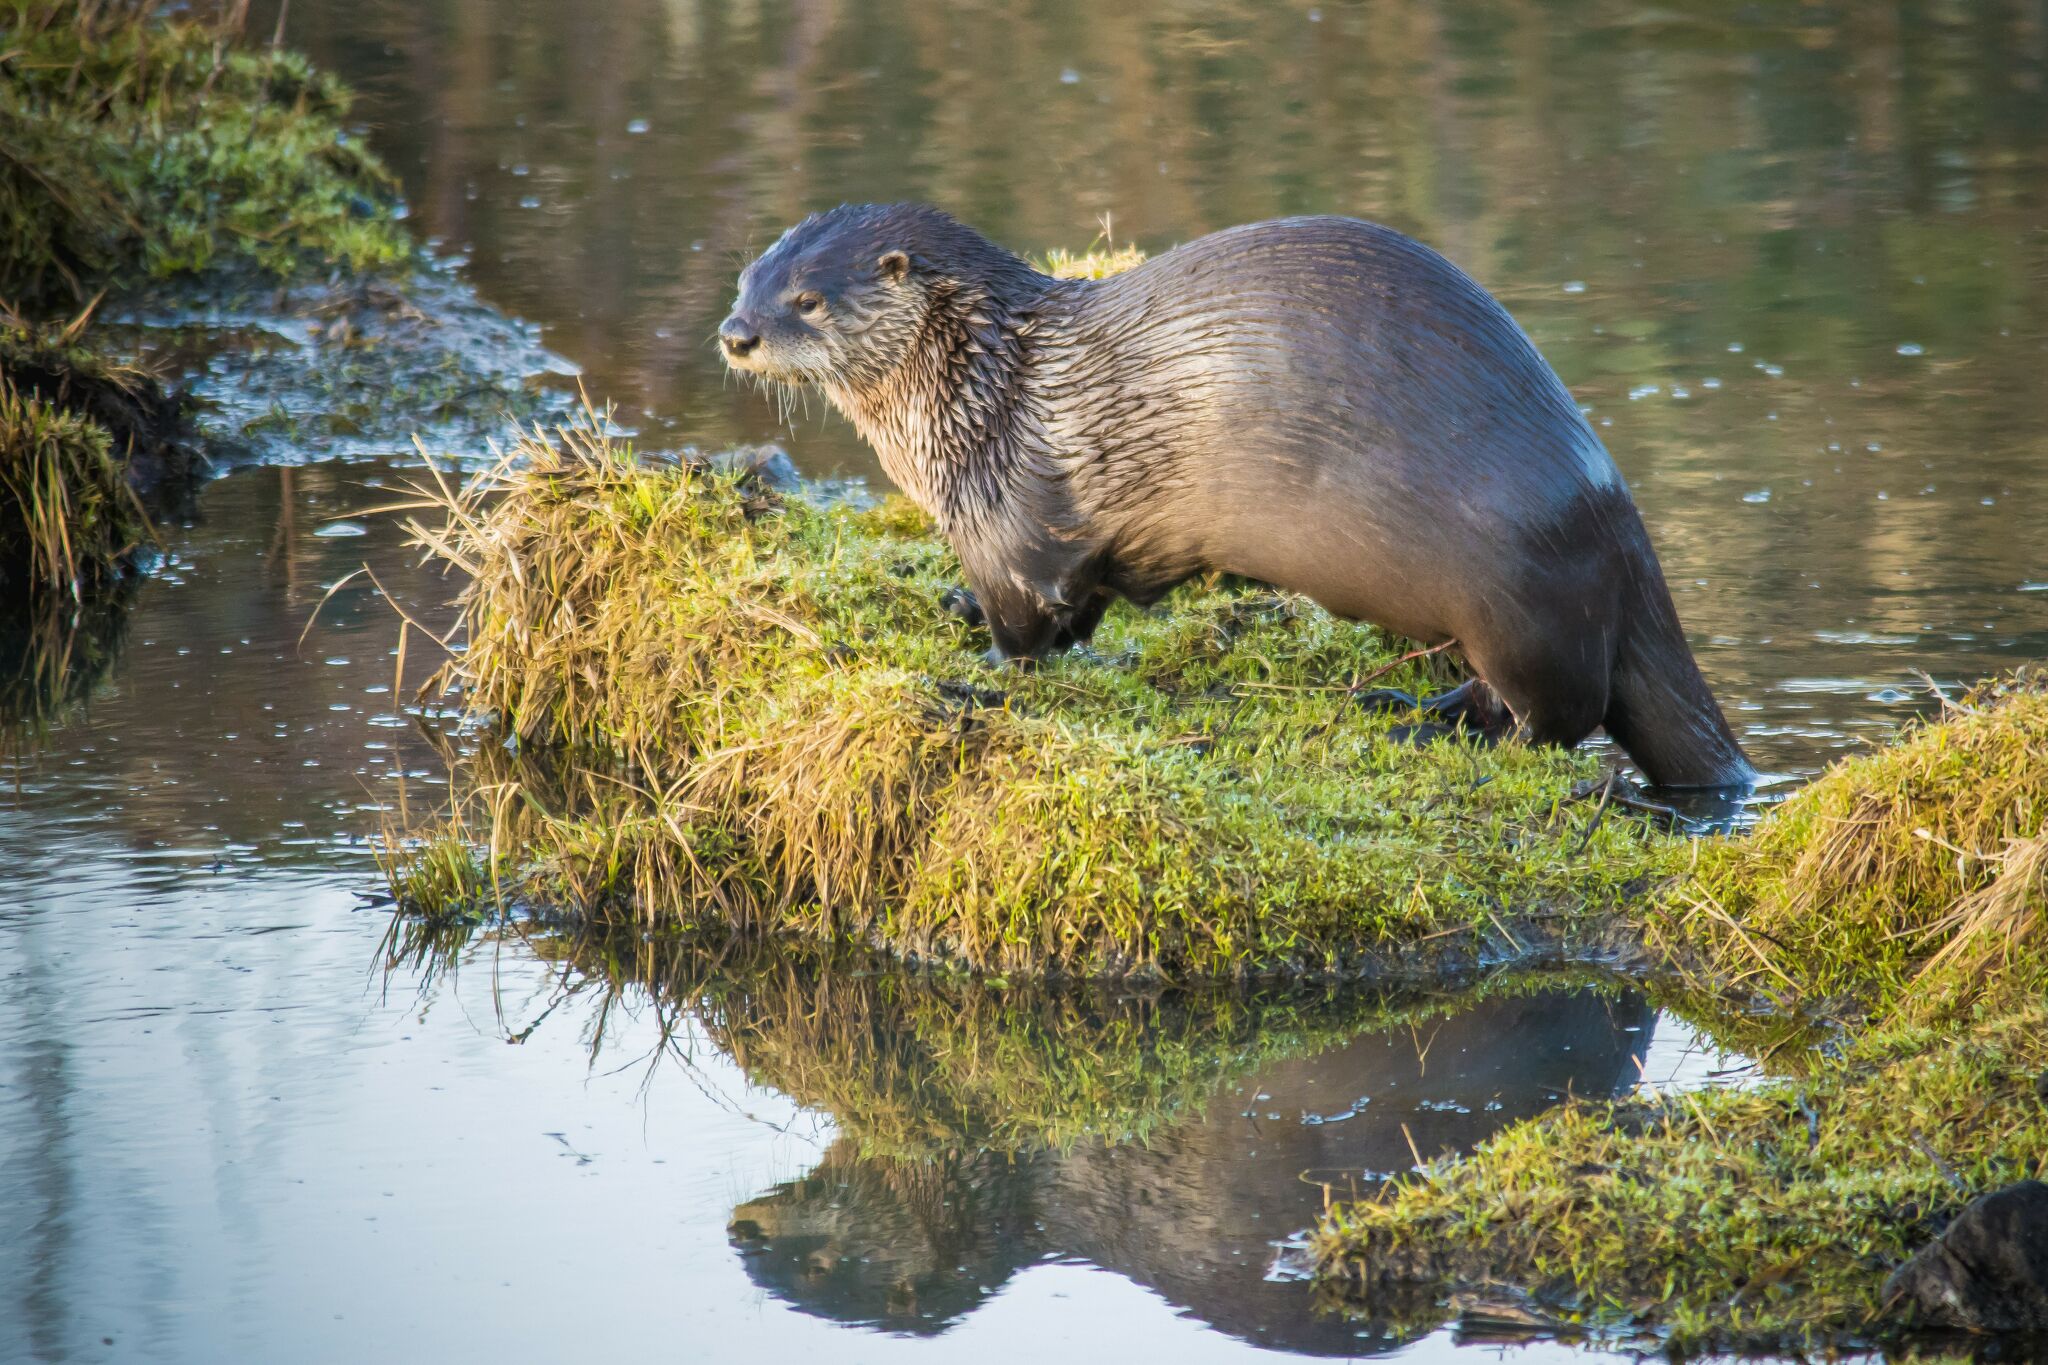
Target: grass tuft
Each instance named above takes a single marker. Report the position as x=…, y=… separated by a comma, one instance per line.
x=1910, y=878
x=66, y=514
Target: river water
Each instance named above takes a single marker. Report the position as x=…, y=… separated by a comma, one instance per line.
x=1792, y=257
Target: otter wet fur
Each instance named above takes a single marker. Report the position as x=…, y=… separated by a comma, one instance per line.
x=1322, y=404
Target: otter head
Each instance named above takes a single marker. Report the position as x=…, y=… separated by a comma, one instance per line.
x=907, y=319
x=837, y=301
x=844, y=297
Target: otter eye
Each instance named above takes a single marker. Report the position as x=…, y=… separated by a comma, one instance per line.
x=809, y=303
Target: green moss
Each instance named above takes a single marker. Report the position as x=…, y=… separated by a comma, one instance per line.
x=793, y=737
x=136, y=145
x=1901, y=894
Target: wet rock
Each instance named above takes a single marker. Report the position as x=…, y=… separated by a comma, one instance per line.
x=1988, y=1272
x=769, y=465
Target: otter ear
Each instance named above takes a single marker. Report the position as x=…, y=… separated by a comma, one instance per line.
x=894, y=265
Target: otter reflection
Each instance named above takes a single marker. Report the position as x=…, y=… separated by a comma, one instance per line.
x=912, y=1244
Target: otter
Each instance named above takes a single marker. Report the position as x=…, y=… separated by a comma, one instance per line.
x=1321, y=403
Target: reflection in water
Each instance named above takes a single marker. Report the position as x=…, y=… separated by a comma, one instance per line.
x=1172, y=1139
x=1788, y=255
x=1192, y=1210
x=54, y=656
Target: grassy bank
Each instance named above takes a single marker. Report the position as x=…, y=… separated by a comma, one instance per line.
x=1903, y=896
x=82, y=438
x=773, y=726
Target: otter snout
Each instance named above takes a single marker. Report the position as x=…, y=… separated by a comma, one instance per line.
x=738, y=338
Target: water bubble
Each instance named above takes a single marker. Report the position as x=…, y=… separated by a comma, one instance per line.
x=1574, y=286
x=336, y=530
x=1911, y=348
x=1069, y=76
x=529, y=201
x=1761, y=495
x=637, y=126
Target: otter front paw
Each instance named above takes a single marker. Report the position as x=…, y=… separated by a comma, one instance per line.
x=963, y=604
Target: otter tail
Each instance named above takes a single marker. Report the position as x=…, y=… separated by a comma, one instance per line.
x=1659, y=708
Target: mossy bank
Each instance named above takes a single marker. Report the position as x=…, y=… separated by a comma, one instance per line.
x=775, y=726
x=141, y=145
x=1900, y=896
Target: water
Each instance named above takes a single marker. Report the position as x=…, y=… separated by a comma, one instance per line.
x=1789, y=256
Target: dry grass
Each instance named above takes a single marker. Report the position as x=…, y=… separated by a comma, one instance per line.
x=66, y=514
x=778, y=730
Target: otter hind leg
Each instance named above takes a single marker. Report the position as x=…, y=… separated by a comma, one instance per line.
x=1555, y=686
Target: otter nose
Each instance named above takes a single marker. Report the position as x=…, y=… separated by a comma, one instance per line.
x=737, y=336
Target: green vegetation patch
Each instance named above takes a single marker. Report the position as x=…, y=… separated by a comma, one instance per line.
x=132, y=144
x=1903, y=894
x=778, y=729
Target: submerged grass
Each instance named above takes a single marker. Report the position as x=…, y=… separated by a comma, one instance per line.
x=135, y=144
x=1900, y=894
x=778, y=729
